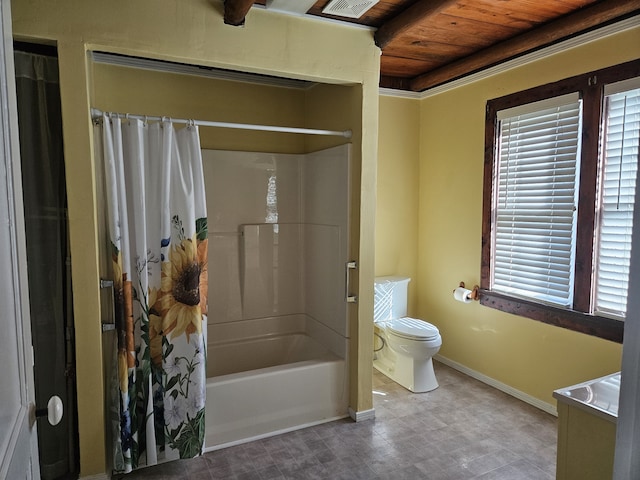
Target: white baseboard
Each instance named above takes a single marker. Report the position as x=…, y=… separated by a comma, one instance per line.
x=525, y=397
x=362, y=415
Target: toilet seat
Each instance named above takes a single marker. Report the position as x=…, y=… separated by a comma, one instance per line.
x=412, y=329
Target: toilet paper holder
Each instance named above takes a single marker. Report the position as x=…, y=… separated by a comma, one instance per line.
x=475, y=291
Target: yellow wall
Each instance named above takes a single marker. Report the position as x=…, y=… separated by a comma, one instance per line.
x=191, y=32
x=125, y=89
x=398, y=187
x=529, y=356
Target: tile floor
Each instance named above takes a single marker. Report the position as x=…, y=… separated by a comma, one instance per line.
x=462, y=430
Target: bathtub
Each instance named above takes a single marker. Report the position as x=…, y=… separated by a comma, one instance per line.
x=272, y=375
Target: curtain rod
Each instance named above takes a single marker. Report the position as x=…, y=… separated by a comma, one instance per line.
x=97, y=114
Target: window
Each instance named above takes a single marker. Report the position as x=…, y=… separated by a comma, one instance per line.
x=535, y=221
x=620, y=158
x=559, y=192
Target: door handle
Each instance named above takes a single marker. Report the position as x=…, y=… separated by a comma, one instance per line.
x=352, y=265
x=53, y=412
x=107, y=326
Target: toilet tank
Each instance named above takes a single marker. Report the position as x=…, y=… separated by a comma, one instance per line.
x=390, y=298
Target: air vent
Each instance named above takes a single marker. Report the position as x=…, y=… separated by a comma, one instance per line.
x=348, y=8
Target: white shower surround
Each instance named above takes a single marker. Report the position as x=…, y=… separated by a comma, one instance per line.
x=278, y=244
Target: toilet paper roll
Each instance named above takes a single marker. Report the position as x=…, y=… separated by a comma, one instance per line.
x=462, y=295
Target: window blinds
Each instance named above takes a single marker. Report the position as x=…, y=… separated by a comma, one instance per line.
x=620, y=154
x=535, y=200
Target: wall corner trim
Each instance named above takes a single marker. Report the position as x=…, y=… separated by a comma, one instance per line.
x=362, y=415
x=390, y=92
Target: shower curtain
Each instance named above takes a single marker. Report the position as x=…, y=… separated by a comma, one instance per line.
x=158, y=233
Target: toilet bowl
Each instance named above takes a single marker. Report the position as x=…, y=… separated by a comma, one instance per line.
x=405, y=345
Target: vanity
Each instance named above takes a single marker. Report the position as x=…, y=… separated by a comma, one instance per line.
x=587, y=417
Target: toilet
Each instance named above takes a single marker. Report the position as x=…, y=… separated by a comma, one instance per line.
x=404, y=346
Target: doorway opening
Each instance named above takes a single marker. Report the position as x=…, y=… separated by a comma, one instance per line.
x=48, y=253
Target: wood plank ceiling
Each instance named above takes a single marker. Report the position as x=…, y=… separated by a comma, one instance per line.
x=426, y=43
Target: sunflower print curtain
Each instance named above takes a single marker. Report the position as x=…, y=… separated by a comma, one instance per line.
x=158, y=241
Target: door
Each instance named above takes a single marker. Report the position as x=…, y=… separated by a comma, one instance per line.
x=18, y=441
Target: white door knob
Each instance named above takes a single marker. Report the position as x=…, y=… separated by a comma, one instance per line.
x=55, y=410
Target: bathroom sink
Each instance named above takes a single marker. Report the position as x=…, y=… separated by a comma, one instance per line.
x=599, y=396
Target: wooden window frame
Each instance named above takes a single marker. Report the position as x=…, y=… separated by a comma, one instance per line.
x=590, y=87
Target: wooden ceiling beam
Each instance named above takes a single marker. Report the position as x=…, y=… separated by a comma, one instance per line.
x=395, y=83
x=582, y=20
x=417, y=13
x=235, y=11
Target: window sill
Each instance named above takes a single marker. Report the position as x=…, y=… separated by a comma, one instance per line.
x=602, y=327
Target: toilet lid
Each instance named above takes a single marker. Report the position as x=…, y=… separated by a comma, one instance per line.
x=413, y=328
